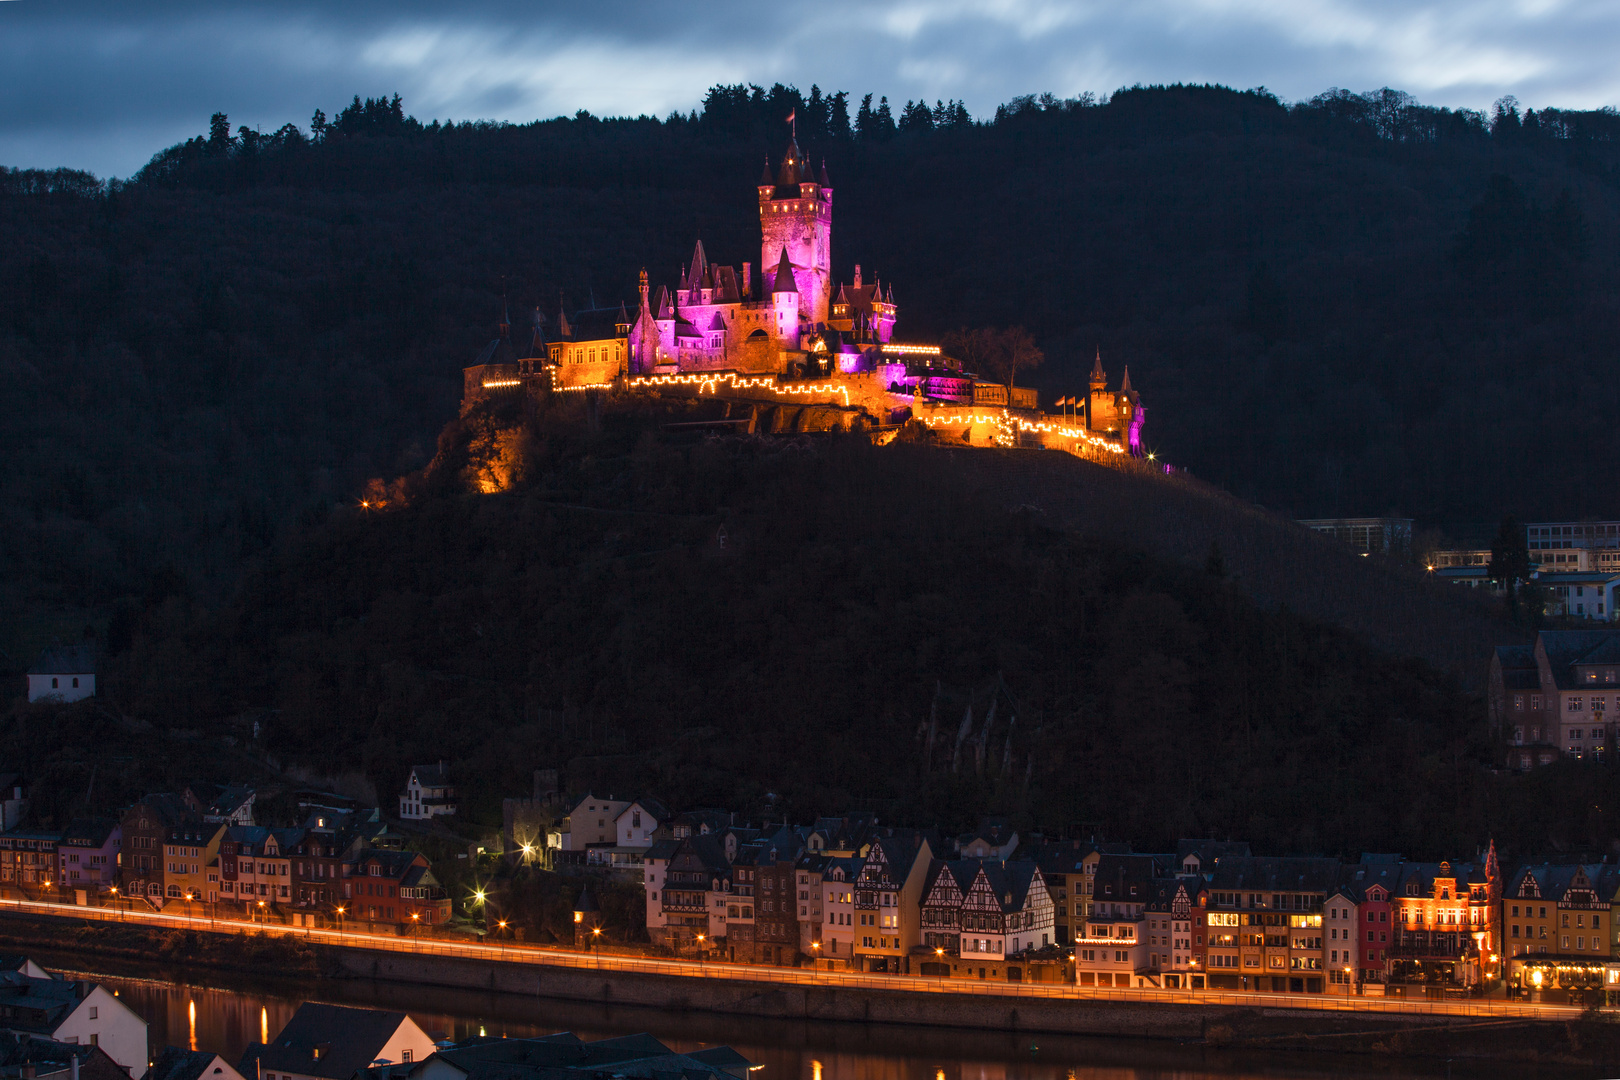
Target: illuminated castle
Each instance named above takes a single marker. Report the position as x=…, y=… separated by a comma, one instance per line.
x=789, y=335
x=782, y=321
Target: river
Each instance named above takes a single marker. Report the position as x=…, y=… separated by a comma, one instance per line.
x=224, y=1012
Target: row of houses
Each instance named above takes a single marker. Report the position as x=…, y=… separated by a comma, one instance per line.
x=201, y=846
x=848, y=894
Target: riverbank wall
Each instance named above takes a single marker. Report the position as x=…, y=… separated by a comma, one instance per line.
x=1585, y=1041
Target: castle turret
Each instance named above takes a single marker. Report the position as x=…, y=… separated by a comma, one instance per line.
x=786, y=302
x=1100, y=415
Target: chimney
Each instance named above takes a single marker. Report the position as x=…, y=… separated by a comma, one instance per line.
x=73, y=1066
x=857, y=275
x=748, y=280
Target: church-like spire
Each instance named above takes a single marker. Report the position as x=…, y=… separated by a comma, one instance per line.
x=1099, y=377
x=700, y=263
x=1125, y=386
x=562, y=318
x=824, y=181
x=783, y=282
x=765, y=177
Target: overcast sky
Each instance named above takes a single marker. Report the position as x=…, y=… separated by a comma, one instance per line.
x=104, y=84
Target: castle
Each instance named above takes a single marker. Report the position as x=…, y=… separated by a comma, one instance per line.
x=789, y=335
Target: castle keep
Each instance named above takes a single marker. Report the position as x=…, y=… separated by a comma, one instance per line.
x=786, y=334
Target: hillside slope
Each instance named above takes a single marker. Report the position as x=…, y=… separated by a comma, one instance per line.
x=777, y=625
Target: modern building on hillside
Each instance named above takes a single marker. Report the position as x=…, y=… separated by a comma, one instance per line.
x=1384, y=535
x=1556, y=697
x=64, y=673
x=1574, y=545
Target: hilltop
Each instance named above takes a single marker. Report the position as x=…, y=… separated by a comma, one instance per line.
x=1355, y=304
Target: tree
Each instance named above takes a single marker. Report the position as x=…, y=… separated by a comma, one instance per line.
x=1000, y=354
x=317, y=126
x=1509, y=557
x=838, y=116
x=863, y=118
x=916, y=116
x=219, y=134
x=883, y=119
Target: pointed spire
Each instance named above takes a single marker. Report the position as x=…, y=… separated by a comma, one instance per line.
x=643, y=287
x=824, y=181
x=506, y=320
x=624, y=315
x=562, y=318
x=765, y=177
x=700, y=263
x=1125, y=387
x=1096, y=366
x=783, y=282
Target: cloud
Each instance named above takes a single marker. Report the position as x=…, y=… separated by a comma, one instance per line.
x=103, y=85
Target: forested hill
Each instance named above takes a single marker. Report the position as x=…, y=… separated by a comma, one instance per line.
x=797, y=625
x=1349, y=305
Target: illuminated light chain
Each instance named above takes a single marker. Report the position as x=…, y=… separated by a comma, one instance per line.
x=919, y=350
x=1007, y=424
x=710, y=384
x=491, y=383
x=583, y=386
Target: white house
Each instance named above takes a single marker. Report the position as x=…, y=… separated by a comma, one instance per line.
x=79, y=1012
x=636, y=823
x=334, y=1042
x=428, y=794
x=592, y=820
x=1339, y=920
x=65, y=673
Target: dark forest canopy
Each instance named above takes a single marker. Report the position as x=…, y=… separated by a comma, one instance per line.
x=1352, y=304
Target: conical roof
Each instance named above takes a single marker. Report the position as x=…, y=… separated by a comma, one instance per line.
x=765, y=177
x=824, y=181
x=1125, y=386
x=586, y=902
x=784, y=282
x=793, y=168
x=700, y=263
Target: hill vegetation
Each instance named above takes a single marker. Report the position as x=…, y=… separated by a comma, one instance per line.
x=1352, y=304
x=798, y=625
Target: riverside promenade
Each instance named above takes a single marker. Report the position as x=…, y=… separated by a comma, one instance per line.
x=725, y=987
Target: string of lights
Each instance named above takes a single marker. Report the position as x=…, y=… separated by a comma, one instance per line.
x=492, y=383
x=1008, y=426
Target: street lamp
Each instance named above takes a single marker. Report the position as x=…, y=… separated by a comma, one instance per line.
x=1347, y=980
x=596, y=942
x=416, y=921
x=501, y=937
x=341, y=909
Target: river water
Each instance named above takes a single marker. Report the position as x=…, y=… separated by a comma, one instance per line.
x=224, y=1012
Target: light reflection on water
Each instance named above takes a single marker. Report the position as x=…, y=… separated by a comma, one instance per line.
x=224, y=1012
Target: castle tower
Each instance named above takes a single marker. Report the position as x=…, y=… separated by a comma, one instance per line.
x=795, y=215
x=1099, y=407
x=786, y=303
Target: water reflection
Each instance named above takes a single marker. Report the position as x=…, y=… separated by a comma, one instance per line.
x=225, y=1012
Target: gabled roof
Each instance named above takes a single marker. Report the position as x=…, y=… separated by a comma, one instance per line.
x=1566, y=649
x=178, y=1063
x=349, y=1040
x=1295, y=873
x=436, y=775
x=67, y=660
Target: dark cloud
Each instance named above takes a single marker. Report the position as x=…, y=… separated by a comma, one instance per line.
x=103, y=85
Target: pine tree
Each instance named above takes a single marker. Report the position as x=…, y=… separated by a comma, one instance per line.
x=883, y=119
x=863, y=119
x=219, y=134
x=838, y=116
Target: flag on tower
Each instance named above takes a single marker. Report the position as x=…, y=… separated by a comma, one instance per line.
x=792, y=113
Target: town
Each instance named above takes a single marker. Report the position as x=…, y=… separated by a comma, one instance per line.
x=852, y=894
